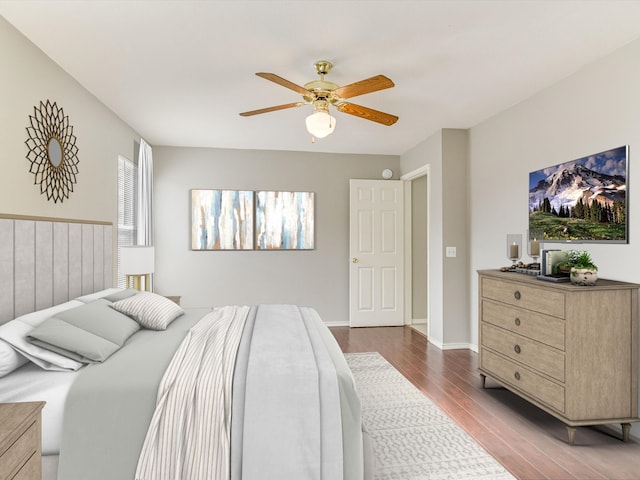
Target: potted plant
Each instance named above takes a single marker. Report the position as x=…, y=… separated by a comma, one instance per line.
x=582, y=269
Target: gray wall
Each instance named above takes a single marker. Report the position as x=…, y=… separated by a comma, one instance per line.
x=445, y=155
x=596, y=109
x=317, y=278
x=428, y=154
x=455, y=207
x=29, y=77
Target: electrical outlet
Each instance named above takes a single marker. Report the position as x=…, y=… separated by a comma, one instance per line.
x=451, y=251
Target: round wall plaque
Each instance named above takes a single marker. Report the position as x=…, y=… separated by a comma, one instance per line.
x=52, y=151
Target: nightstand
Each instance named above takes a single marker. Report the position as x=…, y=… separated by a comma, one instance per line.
x=20, y=441
x=173, y=298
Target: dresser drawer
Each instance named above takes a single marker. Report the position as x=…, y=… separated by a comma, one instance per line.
x=31, y=470
x=542, y=328
x=538, y=300
x=527, y=381
x=17, y=455
x=532, y=354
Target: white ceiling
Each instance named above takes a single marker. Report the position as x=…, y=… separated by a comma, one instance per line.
x=179, y=72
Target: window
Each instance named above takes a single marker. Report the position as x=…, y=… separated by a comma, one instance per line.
x=127, y=195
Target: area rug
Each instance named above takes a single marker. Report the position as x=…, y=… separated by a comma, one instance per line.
x=412, y=438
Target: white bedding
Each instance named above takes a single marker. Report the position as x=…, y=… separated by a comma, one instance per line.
x=31, y=383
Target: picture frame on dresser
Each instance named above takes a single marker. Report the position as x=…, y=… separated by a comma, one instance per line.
x=569, y=350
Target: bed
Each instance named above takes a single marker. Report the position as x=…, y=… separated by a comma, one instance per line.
x=149, y=390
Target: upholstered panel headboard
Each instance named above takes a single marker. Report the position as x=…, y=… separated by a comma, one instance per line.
x=47, y=261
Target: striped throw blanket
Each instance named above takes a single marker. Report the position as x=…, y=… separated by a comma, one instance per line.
x=189, y=434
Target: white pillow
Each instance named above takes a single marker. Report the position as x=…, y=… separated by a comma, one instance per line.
x=9, y=359
x=15, y=334
x=150, y=310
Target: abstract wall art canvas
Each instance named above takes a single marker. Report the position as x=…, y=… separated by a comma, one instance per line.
x=284, y=220
x=221, y=220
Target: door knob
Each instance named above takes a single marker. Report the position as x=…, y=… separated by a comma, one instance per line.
x=354, y=260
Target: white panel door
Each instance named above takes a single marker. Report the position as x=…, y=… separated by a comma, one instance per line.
x=376, y=253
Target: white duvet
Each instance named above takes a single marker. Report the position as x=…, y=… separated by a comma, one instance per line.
x=31, y=383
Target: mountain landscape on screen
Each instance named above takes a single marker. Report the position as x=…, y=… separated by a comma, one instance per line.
x=581, y=200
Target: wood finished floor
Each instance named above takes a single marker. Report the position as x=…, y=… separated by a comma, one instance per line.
x=528, y=442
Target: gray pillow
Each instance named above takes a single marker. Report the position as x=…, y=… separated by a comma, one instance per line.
x=89, y=334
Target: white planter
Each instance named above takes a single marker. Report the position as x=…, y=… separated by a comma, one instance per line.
x=584, y=276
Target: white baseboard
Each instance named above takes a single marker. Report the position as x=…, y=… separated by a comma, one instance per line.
x=457, y=346
x=336, y=324
x=450, y=346
x=418, y=321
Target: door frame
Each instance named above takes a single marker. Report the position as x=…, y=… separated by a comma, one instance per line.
x=408, y=256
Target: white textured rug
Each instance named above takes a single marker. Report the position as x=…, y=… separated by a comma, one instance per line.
x=412, y=438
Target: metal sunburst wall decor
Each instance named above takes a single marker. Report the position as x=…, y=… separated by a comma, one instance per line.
x=52, y=151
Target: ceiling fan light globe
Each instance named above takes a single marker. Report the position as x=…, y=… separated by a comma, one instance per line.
x=320, y=124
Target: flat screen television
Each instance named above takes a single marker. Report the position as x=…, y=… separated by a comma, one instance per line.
x=583, y=200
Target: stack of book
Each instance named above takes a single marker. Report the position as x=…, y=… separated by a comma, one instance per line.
x=549, y=265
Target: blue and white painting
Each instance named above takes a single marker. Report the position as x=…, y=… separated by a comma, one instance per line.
x=221, y=220
x=284, y=220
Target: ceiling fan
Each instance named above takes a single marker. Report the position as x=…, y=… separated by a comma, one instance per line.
x=321, y=94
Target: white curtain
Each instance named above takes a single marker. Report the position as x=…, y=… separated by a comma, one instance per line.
x=145, y=198
x=145, y=195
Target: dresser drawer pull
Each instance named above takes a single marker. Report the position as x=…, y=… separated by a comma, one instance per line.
x=517, y=375
x=516, y=348
x=517, y=295
x=517, y=320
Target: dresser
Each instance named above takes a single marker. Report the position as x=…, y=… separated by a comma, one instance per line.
x=20, y=441
x=570, y=350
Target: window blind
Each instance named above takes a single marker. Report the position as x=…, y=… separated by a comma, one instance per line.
x=127, y=205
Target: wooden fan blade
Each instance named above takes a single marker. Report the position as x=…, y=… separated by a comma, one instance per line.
x=272, y=109
x=373, y=84
x=367, y=113
x=285, y=83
